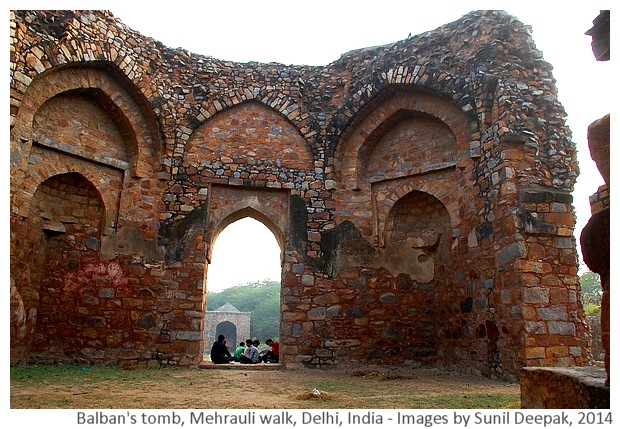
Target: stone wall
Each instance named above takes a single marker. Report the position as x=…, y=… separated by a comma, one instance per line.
x=229, y=321
x=420, y=192
x=598, y=352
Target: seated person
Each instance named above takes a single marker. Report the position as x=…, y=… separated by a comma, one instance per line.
x=250, y=355
x=273, y=355
x=239, y=351
x=219, y=351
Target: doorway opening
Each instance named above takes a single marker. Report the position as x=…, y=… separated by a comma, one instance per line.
x=243, y=285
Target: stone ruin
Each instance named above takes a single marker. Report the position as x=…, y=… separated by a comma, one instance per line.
x=420, y=193
x=229, y=321
x=585, y=387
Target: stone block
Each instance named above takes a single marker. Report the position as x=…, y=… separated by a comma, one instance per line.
x=556, y=312
x=388, y=298
x=187, y=335
x=327, y=299
x=317, y=313
x=561, y=328
x=536, y=295
x=510, y=252
x=564, y=388
x=534, y=352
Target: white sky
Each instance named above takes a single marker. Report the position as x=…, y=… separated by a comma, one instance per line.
x=246, y=250
x=318, y=32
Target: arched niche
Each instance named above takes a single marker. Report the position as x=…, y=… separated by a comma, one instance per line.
x=249, y=134
x=408, y=143
x=429, y=131
x=87, y=118
x=229, y=330
x=86, y=124
x=417, y=234
x=103, y=84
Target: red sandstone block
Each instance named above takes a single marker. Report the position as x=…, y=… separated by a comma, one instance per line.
x=567, y=219
x=533, y=266
x=557, y=352
x=535, y=251
x=535, y=352
x=512, y=154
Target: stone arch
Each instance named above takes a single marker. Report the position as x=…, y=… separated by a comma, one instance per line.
x=45, y=169
x=72, y=190
x=229, y=330
x=420, y=108
x=89, y=119
x=438, y=185
x=233, y=214
x=249, y=135
x=407, y=77
x=86, y=125
x=274, y=100
x=107, y=85
x=228, y=204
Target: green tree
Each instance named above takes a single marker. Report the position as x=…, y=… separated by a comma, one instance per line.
x=261, y=298
x=591, y=293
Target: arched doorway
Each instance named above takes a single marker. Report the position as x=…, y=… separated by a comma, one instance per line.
x=229, y=330
x=245, y=251
x=244, y=273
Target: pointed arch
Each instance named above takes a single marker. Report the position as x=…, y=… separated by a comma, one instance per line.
x=416, y=108
x=228, y=204
x=281, y=103
x=249, y=135
x=69, y=198
x=109, y=87
x=242, y=213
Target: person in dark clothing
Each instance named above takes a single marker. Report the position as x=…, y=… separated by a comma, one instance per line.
x=219, y=351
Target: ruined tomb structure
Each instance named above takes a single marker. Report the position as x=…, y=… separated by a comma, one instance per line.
x=420, y=192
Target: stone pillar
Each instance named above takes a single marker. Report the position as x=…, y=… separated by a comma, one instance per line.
x=595, y=237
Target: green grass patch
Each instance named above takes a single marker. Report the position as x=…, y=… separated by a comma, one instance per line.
x=78, y=373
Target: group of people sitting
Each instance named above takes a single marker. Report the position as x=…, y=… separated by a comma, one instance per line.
x=246, y=352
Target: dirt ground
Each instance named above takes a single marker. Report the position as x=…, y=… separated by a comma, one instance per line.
x=280, y=389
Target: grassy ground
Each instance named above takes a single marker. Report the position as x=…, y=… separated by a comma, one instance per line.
x=86, y=387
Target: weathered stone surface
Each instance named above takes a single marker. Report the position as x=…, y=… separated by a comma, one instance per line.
x=567, y=388
x=418, y=190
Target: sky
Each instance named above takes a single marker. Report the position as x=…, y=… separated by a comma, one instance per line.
x=318, y=32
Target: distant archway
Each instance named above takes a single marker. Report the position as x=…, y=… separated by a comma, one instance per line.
x=229, y=330
x=228, y=321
